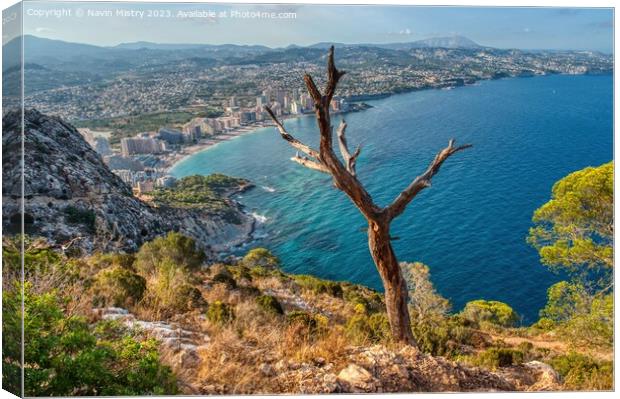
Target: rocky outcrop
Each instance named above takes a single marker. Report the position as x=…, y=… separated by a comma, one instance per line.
x=179, y=345
x=378, y=369
x=71, y=196
x=532, y=376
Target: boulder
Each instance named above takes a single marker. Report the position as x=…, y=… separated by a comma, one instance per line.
x=354, y=378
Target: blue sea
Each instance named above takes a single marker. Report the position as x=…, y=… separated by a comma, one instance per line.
x=470, y=226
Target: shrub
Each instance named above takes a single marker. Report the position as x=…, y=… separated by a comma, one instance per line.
x=579, y=317
x=269, y=304
x=106, y=260
x=39, y=258
x=581, y=372
x=492, y=358
x=543, y=324
x=174, y=247
x=307, y=324
x=85, y=217
x=594, y=328
x=226, y=279
x=240, y=272
x=362, y=329
x=564, y=300
x=319, y=286
x=220, y=313
x=360, y=297
x=117, y=286
x=441, y=336
x=63, y=357
x=171, y=290
x=493, y=312
x=260, y=257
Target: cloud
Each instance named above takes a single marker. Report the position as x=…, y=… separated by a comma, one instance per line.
x=401, y=32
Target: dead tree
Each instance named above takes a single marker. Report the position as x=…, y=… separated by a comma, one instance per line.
x=345, y=179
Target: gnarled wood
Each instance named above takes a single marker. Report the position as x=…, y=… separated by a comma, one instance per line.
x=345, y=179
x=310, y=164
x=349, y=159
x=424, y=180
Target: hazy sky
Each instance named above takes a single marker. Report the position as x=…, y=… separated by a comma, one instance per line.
x=525, y=28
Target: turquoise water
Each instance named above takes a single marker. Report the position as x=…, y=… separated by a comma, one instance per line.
x=470, y=226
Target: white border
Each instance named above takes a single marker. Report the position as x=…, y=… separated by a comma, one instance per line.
x=479, y=3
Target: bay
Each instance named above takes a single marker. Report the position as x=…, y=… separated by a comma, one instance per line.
x=470, y=226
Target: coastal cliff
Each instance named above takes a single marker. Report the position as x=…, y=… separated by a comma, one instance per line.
x=73, y=199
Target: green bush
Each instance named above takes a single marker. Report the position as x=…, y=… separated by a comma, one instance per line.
x=174, y=247
x=362, y=329
x=577, y=316
x=85, y=217
x=171, y=290
x=359, y=297
x=226, y=279
x=240, y=272
x=63, y=357
x=307, y=324
x=106, y=260
x=319, y=286
x=220, y=313
x=117, y=286
x=269, y=304
x=39, y=258
x=543, y=324
x=564, y=300
x=441, y=336
x=492, y=358
x=494, y=312
x=260, y=257
x=581, y=372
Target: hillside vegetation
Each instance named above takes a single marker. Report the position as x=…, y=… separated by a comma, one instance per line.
x=163, y=321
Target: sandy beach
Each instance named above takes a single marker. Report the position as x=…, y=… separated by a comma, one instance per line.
x=171, y=160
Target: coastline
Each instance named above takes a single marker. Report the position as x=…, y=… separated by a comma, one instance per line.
x=172, y=160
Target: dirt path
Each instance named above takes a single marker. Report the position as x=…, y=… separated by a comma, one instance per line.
x=554, y=345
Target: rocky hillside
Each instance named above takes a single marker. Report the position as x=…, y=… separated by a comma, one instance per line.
x=72, y=197
x=266, y=332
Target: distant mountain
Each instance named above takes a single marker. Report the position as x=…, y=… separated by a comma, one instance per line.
x=446, y=42
x=452, y=42
x=106, y=61
x=188, y=46
x=42, y=47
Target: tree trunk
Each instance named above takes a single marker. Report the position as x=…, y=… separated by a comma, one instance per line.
x=396, y=296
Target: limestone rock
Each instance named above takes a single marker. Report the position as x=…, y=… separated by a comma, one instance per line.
x=355, y=378
x=63, y=175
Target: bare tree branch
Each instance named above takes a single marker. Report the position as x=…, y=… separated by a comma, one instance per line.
x=333, y=76
x=312, y=89
x=292, y=140
x=344, y=148
x=310, y=164
x=421, y=182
